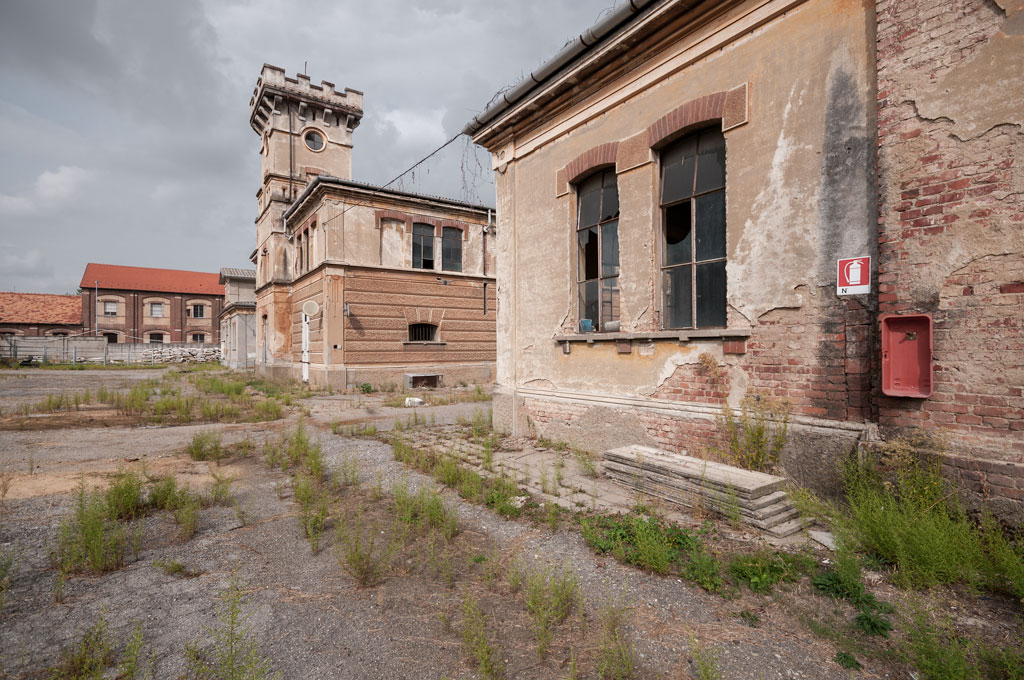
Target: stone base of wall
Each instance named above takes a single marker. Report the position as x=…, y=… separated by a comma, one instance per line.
x=601, y=422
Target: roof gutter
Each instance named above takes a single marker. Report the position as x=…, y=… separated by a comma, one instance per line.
x=567, y=55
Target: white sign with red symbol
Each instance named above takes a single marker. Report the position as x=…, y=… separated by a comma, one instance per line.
x=854, y=276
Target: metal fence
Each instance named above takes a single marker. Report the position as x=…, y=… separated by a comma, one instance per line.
x=93, y=350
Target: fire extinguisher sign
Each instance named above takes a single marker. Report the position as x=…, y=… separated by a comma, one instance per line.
x=854, y=276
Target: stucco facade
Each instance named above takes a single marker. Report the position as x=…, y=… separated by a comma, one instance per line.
x=790, y=89
x=393, y=284
x=238, y=344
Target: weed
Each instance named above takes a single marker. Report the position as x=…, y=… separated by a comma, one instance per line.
x=551, y=595
x=936, y=654
x=615, y=656
x=205, y=446
x=704, y=569
x=131, y=664
x=585, y=462
x=89, y=658
x=426, y=507
x=7, y=559
x=365, y=388
x=235, y=654
x=89, y=539
x=220, y=491
x=847, y=660
x=163, y=495
x=348, y=469
x=763, y=570
x=750, y=618
x=243, y=513
x=478, y=643
x=647, y=542
x=551, y=515
x=758, y=434
x=359, y=555
x=124, y=495
x=706, y=660
x=175, y=568
x=186, y=512
x=873, y=623
x=267, y=409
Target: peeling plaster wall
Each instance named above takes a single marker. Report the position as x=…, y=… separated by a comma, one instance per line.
x=951, y=147
x=800, y=193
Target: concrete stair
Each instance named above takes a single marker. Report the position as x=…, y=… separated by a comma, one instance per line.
x=758, y=497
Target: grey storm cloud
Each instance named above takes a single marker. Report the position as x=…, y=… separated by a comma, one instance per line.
x=124, y=132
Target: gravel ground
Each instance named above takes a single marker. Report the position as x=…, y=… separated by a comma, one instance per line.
x=307, y=614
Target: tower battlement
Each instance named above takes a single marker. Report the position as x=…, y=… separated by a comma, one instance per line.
x=274, y=89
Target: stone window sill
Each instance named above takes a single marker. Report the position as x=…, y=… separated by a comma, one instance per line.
x=684, y=335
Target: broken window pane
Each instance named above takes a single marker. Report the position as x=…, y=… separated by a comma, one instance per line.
x=587, y=255
x=677, y=234
x=588, y=304
x=422, y=246
x=609, y=300
x=677, y=165
x=711, y=294
x=710, y=221
x=590, y=201
x=610, y=196
x=610, y=249
x=710, y=162
x=678, y=297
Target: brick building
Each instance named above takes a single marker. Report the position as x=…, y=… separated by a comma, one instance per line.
x=39, y=314
x=138, y=304
x=675, y=189
x=356, y=283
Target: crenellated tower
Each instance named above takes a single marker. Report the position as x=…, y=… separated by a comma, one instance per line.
x=305, y=130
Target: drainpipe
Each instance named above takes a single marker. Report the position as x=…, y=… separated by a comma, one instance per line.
x=96, y=307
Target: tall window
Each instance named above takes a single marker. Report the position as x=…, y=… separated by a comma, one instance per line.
x=109, y=309
x=422, y=246
x=198, y=311
x=451, y=249
x=597, y=256
x=693, y=215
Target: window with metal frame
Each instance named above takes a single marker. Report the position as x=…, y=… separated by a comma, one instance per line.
x=198, y=311
x=422, y=332
x=109, y=309
x=198, y=337
x=156, y=310
x=693, y=232
x=422, y=246
x=597, y=252
x=451, y=249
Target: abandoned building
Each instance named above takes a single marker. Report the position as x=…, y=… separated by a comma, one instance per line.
x=238, y=318
x=40, y=314
x=677, y=187
x=139, y=304
x=356, y=283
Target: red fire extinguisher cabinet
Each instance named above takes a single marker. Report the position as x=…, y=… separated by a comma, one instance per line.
x=907, y=355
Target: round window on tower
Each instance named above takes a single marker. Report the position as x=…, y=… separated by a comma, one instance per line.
x=314, y=140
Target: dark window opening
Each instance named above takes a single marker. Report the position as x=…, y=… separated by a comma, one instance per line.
x=198, y=337
x=451, y=249
x=694, y=236
x=156, y=339
x=198, y=311
x=422, y=332
x=422, y=246
x=111, y=338
x=425, y=381
x=597, y=254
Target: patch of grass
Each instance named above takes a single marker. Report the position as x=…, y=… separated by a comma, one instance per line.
x=131, y=663
x=704, y=569
x=873, y=623
x=7, y=561
x=235, y=653
x=616, y=659
x=748, y=617
x=359, y=554
x=707, y=660
x=847, y=660
x=124, y=495
x=937, y=654
x=89, y=659
x=267, y=409
x=163, y=495
x=647, y=542
x=220, y=490
x=186, y=512
x=424, y=508
x=478, y=642
x=365, y=388
x=901, y=510
x=551, y=595
x=762, y=571
x=89, y=540
x=175, y=568
x=205, y=446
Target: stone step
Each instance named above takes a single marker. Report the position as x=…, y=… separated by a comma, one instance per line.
x=624, y=473
x=709, y=473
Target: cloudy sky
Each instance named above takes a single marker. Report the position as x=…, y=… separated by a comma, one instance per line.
x=124, y=135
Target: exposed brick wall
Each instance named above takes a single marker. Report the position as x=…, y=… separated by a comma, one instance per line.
x=695, y=384
x=951, y=239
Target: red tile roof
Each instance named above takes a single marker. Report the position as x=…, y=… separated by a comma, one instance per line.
x=116, y=277
x=40, y=308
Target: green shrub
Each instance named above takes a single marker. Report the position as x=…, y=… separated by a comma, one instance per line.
x=763, y=570
x=205, y=446
x=365, y=388
x=477, y=641
x=89, y=658
x=551, y=594
x=89, y=539
x=164, y=493
x=124, y=496
x=186, y=512
x=704, y=569
x=647, y=542
x=267, y=409
x=758, y=434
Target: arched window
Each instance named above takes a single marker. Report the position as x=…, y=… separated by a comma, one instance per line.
x=422, y=332
x=693, y=236
x=597, y=252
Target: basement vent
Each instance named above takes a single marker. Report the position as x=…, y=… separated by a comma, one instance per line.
x=422, y=332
